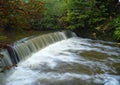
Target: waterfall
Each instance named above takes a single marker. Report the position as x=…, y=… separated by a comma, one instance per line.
x=25, y=47
x=73, y=61
x=53, y=59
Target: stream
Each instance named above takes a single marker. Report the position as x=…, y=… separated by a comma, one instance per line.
x=73, y=61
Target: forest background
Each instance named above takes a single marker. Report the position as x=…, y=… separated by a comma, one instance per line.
x=96, y=19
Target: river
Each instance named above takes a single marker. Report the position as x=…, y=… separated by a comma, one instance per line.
x=73, y=61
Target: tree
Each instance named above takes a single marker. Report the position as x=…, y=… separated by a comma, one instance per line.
x=55, y=11
x=17, y=14
x=78, y=13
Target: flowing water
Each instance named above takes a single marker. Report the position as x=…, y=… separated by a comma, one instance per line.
x=73, y=61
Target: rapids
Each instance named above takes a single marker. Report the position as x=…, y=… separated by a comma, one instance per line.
x=73, y=61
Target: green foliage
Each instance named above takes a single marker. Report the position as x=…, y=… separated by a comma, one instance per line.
x=86, y=14
x=57, y=14
x=55, y=11
x=117, y=21
x=77, y=14
x=116, y=35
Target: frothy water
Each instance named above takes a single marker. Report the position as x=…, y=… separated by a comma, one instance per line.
x=74, y=61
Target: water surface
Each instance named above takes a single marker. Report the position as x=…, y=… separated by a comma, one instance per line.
x=74, y=61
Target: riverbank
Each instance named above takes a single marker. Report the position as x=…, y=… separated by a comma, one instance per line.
x=95, y=34
x=11, y=37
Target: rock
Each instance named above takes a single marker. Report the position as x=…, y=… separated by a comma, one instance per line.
x=4, y=45
x=118, y=44
x=1, y=56
x=94, y=35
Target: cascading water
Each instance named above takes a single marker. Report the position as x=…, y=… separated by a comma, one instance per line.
x=25, y=47
x=73, y=61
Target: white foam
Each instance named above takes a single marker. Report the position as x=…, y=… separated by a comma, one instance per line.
x=30, y=71
x=111, y=81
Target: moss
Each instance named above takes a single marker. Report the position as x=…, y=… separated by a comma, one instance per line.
x=2, y=37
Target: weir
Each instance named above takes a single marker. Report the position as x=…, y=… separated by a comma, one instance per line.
x=53, y=59
x=24, y=48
